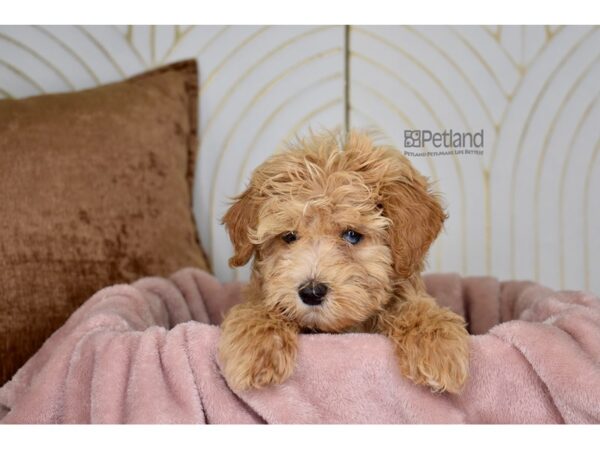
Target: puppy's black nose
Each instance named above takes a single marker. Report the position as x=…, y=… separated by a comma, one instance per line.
x=313, y=293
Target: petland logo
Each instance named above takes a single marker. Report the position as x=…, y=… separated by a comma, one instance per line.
x=453, y=142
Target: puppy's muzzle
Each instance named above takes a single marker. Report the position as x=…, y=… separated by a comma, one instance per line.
x=313, y=293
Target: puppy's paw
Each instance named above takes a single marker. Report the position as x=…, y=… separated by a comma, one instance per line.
x=256, y=350
x=435, y=351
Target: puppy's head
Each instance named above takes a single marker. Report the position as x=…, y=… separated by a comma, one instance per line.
x=333, y=227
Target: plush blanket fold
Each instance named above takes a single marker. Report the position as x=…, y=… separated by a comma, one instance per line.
x=146, y=353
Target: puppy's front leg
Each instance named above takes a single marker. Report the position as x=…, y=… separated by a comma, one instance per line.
x=257, y=347
x=432, y=343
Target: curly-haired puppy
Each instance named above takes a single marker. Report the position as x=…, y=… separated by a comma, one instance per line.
x=339, y=232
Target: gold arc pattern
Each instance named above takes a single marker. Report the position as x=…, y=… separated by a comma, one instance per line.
x=128, y=38
x=439, y=123
x=482, y=60
x=523, y=132
x=456, y=67
x=248, y=71
x=70, y=51
x=540, y=163
x=161, y=45
x=223, y=101
x=561, y=217
x=268, y=86
x=24, y=76
x=39, y=57
x=267, y=122
x=262, y=92
x=213, y=73
x=103, y=50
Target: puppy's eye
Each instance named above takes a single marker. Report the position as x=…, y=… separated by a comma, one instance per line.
x=351, y=236
x=289, y=237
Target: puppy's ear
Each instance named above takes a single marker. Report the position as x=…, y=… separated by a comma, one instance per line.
x=241, y=217
x=416, y=214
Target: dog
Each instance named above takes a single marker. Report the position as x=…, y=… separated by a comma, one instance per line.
x=339, y=229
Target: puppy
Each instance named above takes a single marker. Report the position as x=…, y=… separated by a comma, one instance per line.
x=339, y=232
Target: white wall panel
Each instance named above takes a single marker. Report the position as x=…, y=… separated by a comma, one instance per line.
x=528, y=208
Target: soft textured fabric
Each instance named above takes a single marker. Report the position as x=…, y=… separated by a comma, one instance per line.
x=146, y=353
x=95, y=189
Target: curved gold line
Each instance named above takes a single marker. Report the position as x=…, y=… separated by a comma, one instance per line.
x=102, y=49
x=403, y=82
x=565, y=164
x=563, y=175
x=398, y=112
x=268, y=86
x=185, y=33
x=23, y=75
x=179, y=37
x=299, y=124
x=459, y=71
x=421, y=66
x=488, y=170
x=38, y=57
x=526, y=65
x=551, y=76
x=483, y=62
x=439, y=251
x=524, y=131
x=550, y=34
x=439, y=123
x=258, y=95
x=505, y=112
x=496, y=37
x=215, y=113
x=485, y=170
x=586, y=219
x=71, y=51
x=182, y=29
x=454, y=103
x=294, y=131
x=384, y=135
x=5, y=93
x=213, y=73
x=213, y=39
x=282, y=105
x=523, y=67
x=129, y=41
x=237, y=83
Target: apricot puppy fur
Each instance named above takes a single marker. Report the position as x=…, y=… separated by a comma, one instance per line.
x=339, y=229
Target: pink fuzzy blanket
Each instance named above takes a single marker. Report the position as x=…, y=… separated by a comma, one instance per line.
x=146, y=353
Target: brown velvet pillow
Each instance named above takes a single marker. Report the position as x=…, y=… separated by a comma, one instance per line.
x=95, y=189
